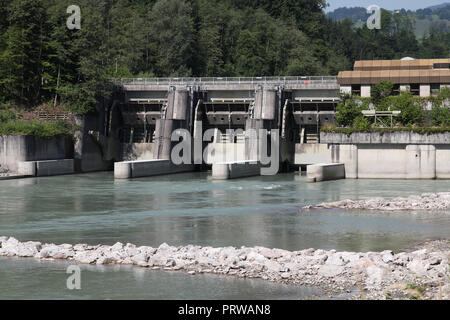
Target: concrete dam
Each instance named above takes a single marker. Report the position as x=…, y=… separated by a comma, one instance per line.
x=237, y=127
x=146, y=112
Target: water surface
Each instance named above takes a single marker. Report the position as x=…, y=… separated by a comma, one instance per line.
x=190, y=208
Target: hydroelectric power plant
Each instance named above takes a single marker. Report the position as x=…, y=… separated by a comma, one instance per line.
x=243, y=127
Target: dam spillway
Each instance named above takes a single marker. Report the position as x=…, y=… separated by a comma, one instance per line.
x=145, y=113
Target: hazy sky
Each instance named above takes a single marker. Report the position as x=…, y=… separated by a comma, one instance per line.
x=387, y=4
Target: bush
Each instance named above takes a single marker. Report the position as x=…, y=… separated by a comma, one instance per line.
x=346, y=113
x=6, y=115
x=361, y=123
x=76, y=98
x=380, y=92
x=411, y=110
x=440, y=116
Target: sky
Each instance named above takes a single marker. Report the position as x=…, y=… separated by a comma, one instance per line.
x=386, y=4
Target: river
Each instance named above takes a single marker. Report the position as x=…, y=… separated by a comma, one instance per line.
x=191, y=208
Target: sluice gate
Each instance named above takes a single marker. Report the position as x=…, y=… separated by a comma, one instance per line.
x=222, y=115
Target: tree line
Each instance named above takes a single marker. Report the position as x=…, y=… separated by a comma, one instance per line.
x=41, y=60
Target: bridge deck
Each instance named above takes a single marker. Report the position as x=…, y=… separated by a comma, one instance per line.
x=225, y=83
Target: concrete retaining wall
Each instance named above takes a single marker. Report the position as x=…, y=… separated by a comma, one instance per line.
x=443, y=162
x=406, y=156
x=311, y=153
x=395, y=137
x=14, y=149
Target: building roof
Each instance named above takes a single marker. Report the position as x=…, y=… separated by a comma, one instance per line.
x=397, y=71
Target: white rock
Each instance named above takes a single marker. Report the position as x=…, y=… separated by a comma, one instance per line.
x=419, y=267
x=273, y=266
x=140, y=258
x=330, y=270
x=375, y=275
x=86, y=257
x=336, y=260
x=117, y=246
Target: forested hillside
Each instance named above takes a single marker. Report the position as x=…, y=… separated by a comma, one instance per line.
x=41, y=60
x=436, y=18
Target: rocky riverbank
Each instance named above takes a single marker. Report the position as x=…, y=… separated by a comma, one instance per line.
x=426, y=201
x=422, y=273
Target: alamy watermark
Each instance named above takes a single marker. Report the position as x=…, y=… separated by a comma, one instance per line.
x=252, y=148
x=74, y=21
x=74, y=280
x=374, y=21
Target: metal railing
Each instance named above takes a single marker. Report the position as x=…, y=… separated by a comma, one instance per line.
x=227, y=80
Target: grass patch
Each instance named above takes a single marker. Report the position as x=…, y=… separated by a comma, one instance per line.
x=44, y=129
x=421, y=130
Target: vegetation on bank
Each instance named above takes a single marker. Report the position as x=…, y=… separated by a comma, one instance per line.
x=413, y=116
x=419, y=130
x=12, y=122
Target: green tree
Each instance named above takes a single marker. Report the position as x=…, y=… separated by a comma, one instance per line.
x=346, y=113
x=380, y=92
x=23, y=57
x=171, y=30
x=411, y=109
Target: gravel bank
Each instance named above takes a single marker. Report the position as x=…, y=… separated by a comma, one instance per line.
x=426, y=201
x=422, y=273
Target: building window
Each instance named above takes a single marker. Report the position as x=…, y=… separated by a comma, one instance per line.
x=441, y=66
x=356, y=90
x=415, y=89
x=396, y=90
x=435, y=89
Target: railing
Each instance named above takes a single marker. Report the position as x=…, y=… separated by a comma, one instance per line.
x=47, y=116
x=227, y=80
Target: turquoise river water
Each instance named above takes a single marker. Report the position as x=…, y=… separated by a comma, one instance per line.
x=190, y=208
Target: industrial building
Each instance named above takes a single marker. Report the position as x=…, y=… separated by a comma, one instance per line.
x=422, y=77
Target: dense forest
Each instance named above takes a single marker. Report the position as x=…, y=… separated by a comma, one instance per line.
x=41, y=60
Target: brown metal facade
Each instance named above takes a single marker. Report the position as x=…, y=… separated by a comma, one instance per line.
x=422, y=71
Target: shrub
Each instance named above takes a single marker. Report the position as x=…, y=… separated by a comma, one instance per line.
x=380, y=92
x=361, y=123
x=34, y=127
x=440, y=116
x=346, y=113
x=411, y=110
x=6, y=115
x=76, y=98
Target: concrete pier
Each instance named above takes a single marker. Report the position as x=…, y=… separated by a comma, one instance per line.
x=147, y=168
x=233, y=170
x=46, y=167
x=324, y=172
